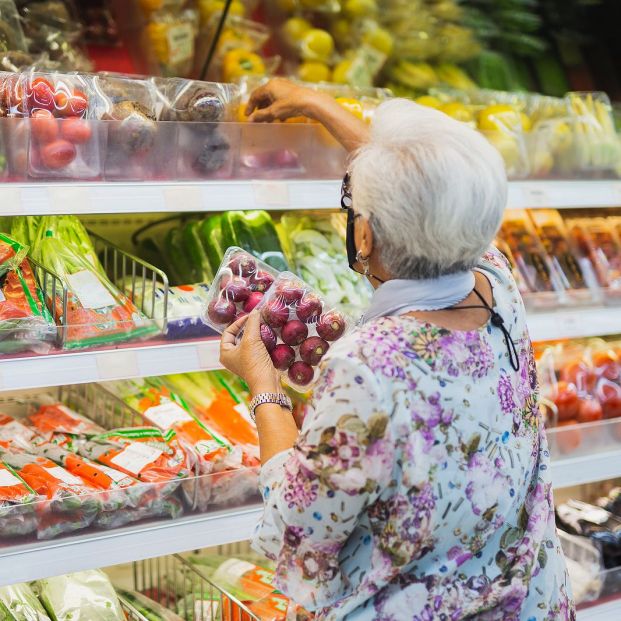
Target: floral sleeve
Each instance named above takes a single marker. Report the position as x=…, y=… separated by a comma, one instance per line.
x=315, y=493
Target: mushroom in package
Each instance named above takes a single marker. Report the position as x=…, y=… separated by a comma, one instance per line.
x=240, y=284
x=298, y=327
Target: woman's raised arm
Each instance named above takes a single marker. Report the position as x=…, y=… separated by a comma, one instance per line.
x=280, y=99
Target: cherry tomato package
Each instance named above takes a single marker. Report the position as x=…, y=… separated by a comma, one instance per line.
x=97, y=312
x=17, y=504
x=25, y=322
x=298, y=328
x=239, y=285
x=72, y=504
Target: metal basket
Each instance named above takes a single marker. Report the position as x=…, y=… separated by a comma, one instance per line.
x=181, y=586
x=138, y=277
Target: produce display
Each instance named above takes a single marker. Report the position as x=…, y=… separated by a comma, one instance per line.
x=581, y=383
x=61, y=472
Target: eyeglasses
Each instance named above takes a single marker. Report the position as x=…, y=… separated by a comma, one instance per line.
x=346, y=199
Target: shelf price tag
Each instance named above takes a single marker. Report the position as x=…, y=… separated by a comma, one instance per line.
x=11, y=200
x=271, y=193
x=182, y=197
x=208, y=355
x=117, y=364
x=536, y=197
x=72, y=199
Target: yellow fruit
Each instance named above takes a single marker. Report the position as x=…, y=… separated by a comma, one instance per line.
x=353, y=105
x=314, y=71
x=341, y=30
x=379, y=39
x=209, y=7
x=429, y=101
x=458, y=111
x=294, y=29
x=288, y=6
x=340, y=73
x=508, y=147
x=359, y=8
x=502, y=117
x=317, y=44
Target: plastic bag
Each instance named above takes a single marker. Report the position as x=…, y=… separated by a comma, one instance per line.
x=237, y=288
x=18, y=602
x=17, y=504
x=14, y=435
x=148, y=607
x=298, y=327
x=25, y=322
x=97, y=312
x=12, y=253
x=81, y=596
x=54, y=419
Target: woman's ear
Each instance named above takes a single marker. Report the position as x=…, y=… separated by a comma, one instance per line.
x=364, y=237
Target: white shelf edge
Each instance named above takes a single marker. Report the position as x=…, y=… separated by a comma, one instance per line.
x=80, y=367
x=574, y=322
x=205, y=196
x=609, y=611
x=44, y=559
x=586, y=469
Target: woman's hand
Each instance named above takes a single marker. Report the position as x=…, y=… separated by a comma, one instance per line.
x=279, y=100
x=249, y=358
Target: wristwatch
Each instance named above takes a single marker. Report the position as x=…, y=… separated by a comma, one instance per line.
x=270, y=397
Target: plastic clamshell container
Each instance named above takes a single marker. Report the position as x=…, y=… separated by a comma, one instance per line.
x=93, y=512
x=300, y=328
x=239, y=279
x=584, y=439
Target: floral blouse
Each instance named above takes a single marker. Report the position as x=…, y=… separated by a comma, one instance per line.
x=419, y=488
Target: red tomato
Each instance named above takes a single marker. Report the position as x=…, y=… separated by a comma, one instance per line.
x=44, y=126
x=606, y=364
x=40, y=94
x=57, y=154
x=75, y=130
x=579, y=374
x=589, y=410
x=609, y=395
x=567, y=440
x=566, y=400
x=74, y=104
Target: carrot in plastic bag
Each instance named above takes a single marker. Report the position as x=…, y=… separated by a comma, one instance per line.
x=17, y=504
x=16, y=435
x=58, y=418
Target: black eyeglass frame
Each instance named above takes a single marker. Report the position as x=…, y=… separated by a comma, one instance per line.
x=346, y=198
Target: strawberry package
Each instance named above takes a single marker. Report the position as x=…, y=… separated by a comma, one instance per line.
x=25, y=322
x=298, y=328
x=72, y=504
x=239, y=285
x=17, y=504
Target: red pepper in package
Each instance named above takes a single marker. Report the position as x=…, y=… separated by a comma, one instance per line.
x=72, y=503
x=25, y=322
x=17, y=504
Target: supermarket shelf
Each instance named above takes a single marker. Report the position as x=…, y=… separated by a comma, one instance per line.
x=126, y=361
x=609, y=611
x=155, y=197
x=565, y=323
x=586, y=469
x=44, y=559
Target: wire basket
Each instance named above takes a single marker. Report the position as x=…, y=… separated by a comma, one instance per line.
x=137, y=277
x=179, y=585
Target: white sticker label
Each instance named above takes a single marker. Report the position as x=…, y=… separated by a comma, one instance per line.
x=180, y=43
x=166, y=415
x=89, y=290
x=7, y=479
x=234, y=569
x=135, y=457
x=63, y=475
x=15, y=430
x=271, y=193
x=115, y=475
x=536, y=197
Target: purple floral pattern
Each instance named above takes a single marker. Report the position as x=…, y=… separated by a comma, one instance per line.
x=419, y=488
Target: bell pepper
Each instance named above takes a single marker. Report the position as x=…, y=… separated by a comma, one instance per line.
x=211, y=237
x=267, y=245
x=199, y=264
x=239, y=62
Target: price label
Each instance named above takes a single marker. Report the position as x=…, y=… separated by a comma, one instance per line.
x=208, y=355
x=536, y=197
x=69, y=199
x=183, y=198
x=116, y=364
x=180, y=43
x=271, y=193
x=10, y=200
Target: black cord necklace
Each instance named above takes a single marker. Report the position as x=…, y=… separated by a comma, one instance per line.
x=498, y=322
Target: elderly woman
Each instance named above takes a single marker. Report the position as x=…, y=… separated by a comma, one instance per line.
x=419, y=486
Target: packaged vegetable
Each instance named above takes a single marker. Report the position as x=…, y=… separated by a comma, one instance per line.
x=238, y=286
x=317, y=249
x=18, y=602
x=211, y=238
x=57, y=418
x=25, y=322
x=12, y=253
x=15, y=435
x=81, y=596
x=18, y=500
x=198, y=262
x=150, y=609
x=25, y=228
x=72, y=503
x=97, y=312
x=298, y=326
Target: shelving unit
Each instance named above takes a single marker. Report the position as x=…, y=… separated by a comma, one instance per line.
x=37, y=560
